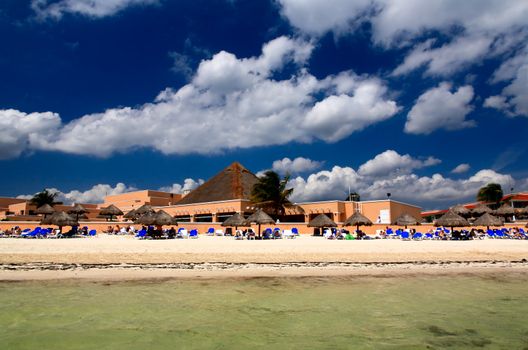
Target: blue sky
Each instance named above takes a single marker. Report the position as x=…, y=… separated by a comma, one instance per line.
x=426, y=100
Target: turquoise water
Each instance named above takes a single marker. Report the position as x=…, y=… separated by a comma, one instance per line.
x=461, y=312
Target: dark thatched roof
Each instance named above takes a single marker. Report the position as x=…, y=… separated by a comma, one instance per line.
x=160, y=218
x=488, y=220
x=459, y=209
x=357, y=219
x=77, y=209
x=405, y=220
x=505, y=210
x=111, y=210
x=451, y=219
x=145, y=208
x=45, y=209
x=234, y=182
x=322, y=220
x=146, y=219
x=235, y=220
x=482, y=209
x=60, y=218
x=260, y=217
x=131, y=214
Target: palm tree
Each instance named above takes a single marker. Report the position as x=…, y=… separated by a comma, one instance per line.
x=44, y=197
x=491, y=193
x=270, y=194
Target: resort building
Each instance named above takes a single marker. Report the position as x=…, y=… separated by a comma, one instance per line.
x=223, y=195
x=229, y=191
x=518, y=201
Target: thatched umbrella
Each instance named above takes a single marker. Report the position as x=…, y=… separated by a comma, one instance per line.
x=146, y=219
x=60, y=218
x=357, y=219
x=78, y=210
x=110, y=212
x=259, y=217
x=145, y=208
x=505, y=210
x=235, y=220
x=488, y=220
x=451, y=219
x=131, y=214
x=45, y=210
x=406, y=220
x=162, y=218
x=481, y=209
x=459, y=209
x=83, y=217
x=321, y=221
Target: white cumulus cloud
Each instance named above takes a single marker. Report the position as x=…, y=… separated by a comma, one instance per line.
x=90, y=8
x=188, y=185
x=95, y=194
x=295, y=166
x=461, y=168
x=439, y=108
x=230, y=103
x=391, y=162
x=20, y=131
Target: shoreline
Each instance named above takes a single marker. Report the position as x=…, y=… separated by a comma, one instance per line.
x=159, y=272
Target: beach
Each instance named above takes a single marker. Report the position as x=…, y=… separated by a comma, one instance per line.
x=124, y=257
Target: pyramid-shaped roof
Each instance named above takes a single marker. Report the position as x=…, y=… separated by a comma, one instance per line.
x=234, y=182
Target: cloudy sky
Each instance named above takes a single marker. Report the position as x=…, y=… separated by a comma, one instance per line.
x=427, y=100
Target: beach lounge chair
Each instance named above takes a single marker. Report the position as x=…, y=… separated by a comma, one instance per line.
x=141, y=234
x=295, y=231
x=404, y=236
x=193, y=233
x=210, y=231
x=288, y=234
x=491, y=234
x=92, y=233
x=182, y=233
x=428, y=236
x=418, y=236
x=219, y=232
x=32, y=234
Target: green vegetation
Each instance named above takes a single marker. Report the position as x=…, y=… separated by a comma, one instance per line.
x=271, y=194
x=491, y=193
x=44, y=197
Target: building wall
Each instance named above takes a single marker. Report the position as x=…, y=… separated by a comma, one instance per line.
x=132, y=200
x=5, y=202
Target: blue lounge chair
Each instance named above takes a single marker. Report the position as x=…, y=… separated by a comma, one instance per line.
x=295, y=231
x=92, y=232
x=417, y=236
x=210, y=231
x=141, y=234
x=428, y=236
x=491, y=234
x=404, y=235
x=193, y=233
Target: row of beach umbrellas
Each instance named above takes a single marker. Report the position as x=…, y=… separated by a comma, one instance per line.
x=504, y=210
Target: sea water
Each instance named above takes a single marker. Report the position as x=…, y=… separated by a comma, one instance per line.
x=419, y=312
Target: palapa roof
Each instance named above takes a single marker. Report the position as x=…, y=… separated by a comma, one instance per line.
x=322, y=220
x=482, y=209
x=45, y=209
x=60, y=218
x=236, y=219
x=111, y=210
x=131, y=214
x=234, y=182
x=260, y=217
x=145, y=208
x=146, y=219
x=405, y=220
x=77, y=209
x=460, y=210
x=505, y=209
x=159, y=218
x=488, y=220
x=451, y=219
x=357, y=219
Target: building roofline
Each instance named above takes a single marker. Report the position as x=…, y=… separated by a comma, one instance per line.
x=202, y=203
x=369, y=201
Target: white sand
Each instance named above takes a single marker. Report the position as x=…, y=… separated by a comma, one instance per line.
x=125, y=249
